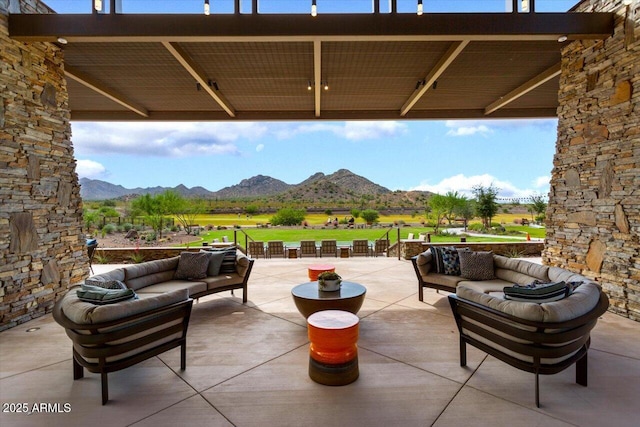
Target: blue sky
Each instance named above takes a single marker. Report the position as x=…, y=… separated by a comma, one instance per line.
x=515, y=156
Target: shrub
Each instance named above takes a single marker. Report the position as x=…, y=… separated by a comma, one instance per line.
x=109, y=229
x=288, y=216
x=370, y=215
x=127, y=226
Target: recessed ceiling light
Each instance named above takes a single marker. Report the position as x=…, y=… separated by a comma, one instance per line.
x=62, y=40
x=562, y=39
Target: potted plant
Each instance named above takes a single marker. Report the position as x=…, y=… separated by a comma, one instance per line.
x=329, y=281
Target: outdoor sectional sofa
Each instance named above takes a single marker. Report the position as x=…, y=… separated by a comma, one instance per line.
x=110, y=337
x=538, y=337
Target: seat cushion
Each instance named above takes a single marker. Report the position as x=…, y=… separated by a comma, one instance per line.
x=222, y=280
x=442, y=279
x=193, y=286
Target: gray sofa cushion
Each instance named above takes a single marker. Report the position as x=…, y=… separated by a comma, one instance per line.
x=87, y=313
x=523, y=271
x=193, y=286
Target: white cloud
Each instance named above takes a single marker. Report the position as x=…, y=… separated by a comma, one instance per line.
x=462, y=128
x=259, y=147
x=90, y=169
x=353, y=131
x=464, y=185
x=487, y=127
x=542, y=182
x=164, y=139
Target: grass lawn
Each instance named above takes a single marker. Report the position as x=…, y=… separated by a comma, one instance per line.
x=317, y=232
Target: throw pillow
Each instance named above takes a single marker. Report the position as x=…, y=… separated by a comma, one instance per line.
x=106, y=284
x=476, y=265
x=192, y=265
x=215, y=262
x=446, y=260
x=100, y=296
x=539, y=292
x=228, y=260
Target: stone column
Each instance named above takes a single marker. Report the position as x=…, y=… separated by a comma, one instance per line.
x=593, y=216
x=42, y=250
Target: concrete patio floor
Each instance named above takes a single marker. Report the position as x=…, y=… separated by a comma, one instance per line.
x=247, y=366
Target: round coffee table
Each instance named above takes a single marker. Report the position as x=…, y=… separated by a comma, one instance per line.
x=309, y=299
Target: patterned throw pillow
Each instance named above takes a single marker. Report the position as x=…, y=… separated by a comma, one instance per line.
x=192, y=265
x=446, y=260
x=476, y=265
x=106, y=284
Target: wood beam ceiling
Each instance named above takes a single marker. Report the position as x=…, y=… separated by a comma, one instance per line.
x=103, y=90
x=528, y=86
x=199, y=75
x=427, y=83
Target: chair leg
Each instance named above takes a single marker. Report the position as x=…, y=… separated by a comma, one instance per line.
x=463, y=352
x=78, y=370
x=420, y=293
x=537, y=390
x=183, y=356
x=105, y=387
x=581, y=371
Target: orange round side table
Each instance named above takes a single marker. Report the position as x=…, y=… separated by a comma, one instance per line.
x=333, y=352
x=315, y=270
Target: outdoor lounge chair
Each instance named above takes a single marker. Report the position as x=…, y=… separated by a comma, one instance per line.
x=256, y=249
x=360, y=247
x=380, y=247
x=308, y=248
x=542, y=338
x=275, y=248
x=329, y=248
x=112, y=337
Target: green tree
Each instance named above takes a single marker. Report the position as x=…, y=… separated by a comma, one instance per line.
x=355, y=213
x=156, y=208
x=539, y=206
x=452, y=201
x=437, y=209
x=486, y=205
x=465, y=210
x=370, y=215
x=90, y=220
x=288, y=216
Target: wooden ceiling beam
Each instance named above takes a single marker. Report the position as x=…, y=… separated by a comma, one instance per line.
x=317, y=74
x=427, y=83
x=103, y=90
x=524, y=88
x=439, y=26
x=199, y=75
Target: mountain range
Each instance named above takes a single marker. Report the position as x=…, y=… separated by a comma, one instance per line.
x=340, y=185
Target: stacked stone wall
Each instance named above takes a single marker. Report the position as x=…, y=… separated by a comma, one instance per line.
x=41, y=247
x=593, y=216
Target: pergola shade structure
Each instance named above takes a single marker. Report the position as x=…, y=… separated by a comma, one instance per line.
x=275, y=67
